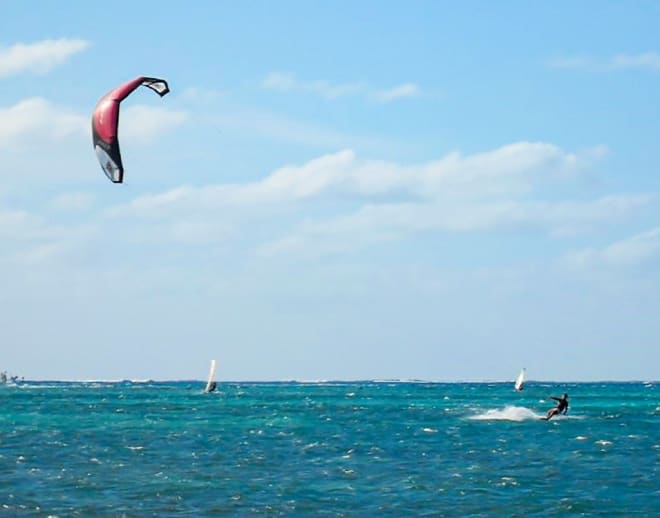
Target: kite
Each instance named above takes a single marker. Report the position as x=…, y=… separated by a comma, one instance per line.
x=105, y=122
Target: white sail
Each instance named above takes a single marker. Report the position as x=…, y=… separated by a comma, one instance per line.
x=211, y=379
x=520, y=380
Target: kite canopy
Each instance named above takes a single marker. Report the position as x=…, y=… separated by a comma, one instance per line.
x=105, y=122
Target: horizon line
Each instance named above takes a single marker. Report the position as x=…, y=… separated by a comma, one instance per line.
x=322, y=381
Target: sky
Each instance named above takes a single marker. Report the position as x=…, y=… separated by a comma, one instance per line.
x=333, y=191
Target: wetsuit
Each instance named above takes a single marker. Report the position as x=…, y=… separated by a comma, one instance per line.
x=562, y=407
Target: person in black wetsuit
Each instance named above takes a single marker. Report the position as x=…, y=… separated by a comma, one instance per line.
x=212, y=387
x=561, y=408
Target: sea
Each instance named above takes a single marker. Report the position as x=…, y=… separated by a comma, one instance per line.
x=325, y=449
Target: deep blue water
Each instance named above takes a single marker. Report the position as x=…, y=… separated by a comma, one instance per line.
x=328, y=449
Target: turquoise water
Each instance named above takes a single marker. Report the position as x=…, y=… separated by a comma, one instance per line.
x=328, y=449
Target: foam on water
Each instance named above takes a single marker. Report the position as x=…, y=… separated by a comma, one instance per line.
x=508, y=413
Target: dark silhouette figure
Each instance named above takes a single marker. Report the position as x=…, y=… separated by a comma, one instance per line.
x=561, y=408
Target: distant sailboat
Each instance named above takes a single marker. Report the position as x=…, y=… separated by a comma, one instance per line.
x=520, y=380
x=211, y=384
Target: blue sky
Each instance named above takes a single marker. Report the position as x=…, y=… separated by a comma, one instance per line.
x=333, y=190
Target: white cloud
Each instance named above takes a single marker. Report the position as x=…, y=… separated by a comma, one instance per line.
x=287, y=82
x=362, y=202
x=571, y=62
x=184, y=230
x=43, y=253
x=199, y=231
x=195, y=94
x=144, y=123
x=629, y=252
x=647, y=60
x=485, y=192
x=385, y=222
x=280, y=81
x=398, y=92
x=39, y=57
x=27, y=238
x=13, y=223
x=72, y=202
x=509, y=171
x=37, y=116
x=28, y=226
x=37, y=121
x=31, y=238
x=285, y=185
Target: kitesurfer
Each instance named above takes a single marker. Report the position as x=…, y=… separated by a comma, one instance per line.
x=561, y=408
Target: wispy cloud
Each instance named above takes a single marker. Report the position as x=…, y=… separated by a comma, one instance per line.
x=72, y=202
x=391, y=221
x=194, y=94
x=504, y=190
x=579, y=61
x=30, y=237
x=13, y=223
x=43, y=253
x=145, y=123
x=398, y=92
x=494, y=191
x=646, y=60
x=23, y=226
x=186, y=230
x=39, y=116
x=629, y=252
x=504, y=172
x=287, y=82
x=39, y=57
